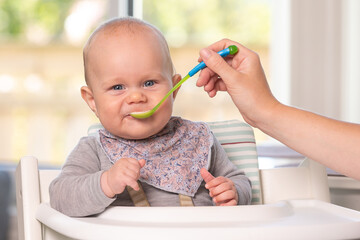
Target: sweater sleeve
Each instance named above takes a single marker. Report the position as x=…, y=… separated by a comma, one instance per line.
x=222, y=166
x=77, y=191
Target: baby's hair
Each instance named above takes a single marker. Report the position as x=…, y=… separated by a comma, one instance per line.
x=129, y=24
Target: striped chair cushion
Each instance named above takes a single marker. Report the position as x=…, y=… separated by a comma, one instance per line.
x=237, y=138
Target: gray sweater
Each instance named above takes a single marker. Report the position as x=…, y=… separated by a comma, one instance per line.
x=77, y=192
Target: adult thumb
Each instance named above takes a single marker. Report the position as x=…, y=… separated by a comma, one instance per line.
x=206, y=175
x=217, y=64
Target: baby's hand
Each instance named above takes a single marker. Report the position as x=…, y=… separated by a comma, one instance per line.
x=126, y=171
x=221, y=189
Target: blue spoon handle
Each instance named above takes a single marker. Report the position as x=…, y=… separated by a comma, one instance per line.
x=202, y=65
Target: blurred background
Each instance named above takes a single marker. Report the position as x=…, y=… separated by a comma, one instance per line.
x=41, y=68
x=309, y=51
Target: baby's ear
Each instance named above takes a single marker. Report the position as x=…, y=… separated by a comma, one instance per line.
x=88, y=97
x=175, y=79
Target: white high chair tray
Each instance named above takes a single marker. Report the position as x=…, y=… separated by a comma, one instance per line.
x=295, y=219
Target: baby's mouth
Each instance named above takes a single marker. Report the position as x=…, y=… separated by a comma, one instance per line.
x=135, y=111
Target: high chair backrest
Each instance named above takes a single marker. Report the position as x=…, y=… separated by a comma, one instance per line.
x=238, y=140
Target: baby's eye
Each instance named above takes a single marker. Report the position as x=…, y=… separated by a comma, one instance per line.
x=149, y=83
x=118, y=87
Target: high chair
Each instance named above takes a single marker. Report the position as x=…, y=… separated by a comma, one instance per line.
x=287, y=203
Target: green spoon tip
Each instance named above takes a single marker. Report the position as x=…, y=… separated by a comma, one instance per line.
x=142, y=115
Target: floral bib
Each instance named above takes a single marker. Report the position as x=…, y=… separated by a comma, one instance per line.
x=173, y=157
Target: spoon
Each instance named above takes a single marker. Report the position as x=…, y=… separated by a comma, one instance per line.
x=140, y=115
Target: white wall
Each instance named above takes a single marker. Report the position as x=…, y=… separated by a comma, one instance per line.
x=316, y=56
x=351, y=61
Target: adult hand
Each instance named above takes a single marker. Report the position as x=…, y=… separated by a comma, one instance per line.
x=328, y=141
x=241, y=75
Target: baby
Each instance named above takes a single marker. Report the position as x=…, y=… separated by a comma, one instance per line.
x=161, y=160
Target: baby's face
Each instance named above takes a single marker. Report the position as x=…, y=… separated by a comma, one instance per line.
x=130, y=75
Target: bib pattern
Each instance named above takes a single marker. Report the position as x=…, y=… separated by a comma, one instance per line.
x=173, y=157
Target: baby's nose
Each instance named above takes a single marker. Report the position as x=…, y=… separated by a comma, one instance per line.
x=136, y=97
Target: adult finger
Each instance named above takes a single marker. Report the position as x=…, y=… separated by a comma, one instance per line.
x=217, y=64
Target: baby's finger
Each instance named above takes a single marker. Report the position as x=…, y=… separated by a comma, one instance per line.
x=132, y=171
x=224, y=197
x=215, y=191
x=135, y=165
x=206, y=175
x=142, y=162
x=134, y=185
x=229, y=203
x=215, y=182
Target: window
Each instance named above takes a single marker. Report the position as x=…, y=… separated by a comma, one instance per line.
x=315, y=56
x=41, y=71
x=41, y=111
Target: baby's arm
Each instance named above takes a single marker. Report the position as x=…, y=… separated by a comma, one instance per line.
x=221, y=189
x=222, y=166
x=77, y=190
